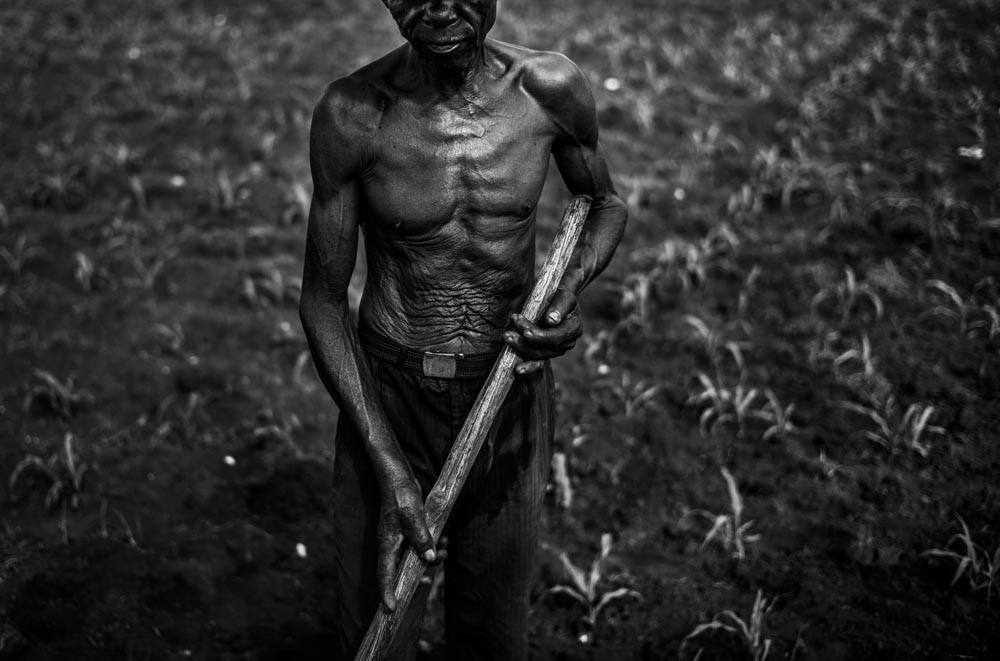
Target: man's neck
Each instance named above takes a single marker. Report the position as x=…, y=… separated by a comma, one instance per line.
x=453, y=79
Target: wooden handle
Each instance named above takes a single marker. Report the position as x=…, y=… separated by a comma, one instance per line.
x=470, y=439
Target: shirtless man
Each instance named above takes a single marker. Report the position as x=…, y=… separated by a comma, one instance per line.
x=438, y=152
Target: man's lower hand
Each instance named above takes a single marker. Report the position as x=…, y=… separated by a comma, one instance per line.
x=555, y=334
x=402, y=520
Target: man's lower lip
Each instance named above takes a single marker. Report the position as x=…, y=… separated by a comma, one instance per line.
x=443, y=48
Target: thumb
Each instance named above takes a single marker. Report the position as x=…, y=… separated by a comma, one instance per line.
x=562, y=304
x=418, y=533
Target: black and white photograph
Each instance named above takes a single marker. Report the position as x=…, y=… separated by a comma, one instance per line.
x=497, y=330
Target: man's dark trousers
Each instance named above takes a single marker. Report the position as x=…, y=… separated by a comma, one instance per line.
x=493, y=529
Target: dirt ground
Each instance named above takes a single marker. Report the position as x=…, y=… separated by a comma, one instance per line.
x=781, y=423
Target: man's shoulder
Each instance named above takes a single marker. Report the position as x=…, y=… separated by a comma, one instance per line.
x=545, y=73
x=356, y=101
x=557, y=84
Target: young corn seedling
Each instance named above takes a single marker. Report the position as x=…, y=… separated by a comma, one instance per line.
x=715, y=346
x=52, y=396
x=711, y=341
x=278, y=429
x=91, y=274
x=973, y=319
x=180, y=418
x=847, y=297
x=750, y=633
x=268, y=285
x=64, y=473
x=868, y=382
x=636, y=294
x=146, y=273
x=170, y=336
x=748, y=290
x=779, y=417
x=981, y=570
x=723, y=404
x=740, y=406
x=583, y=587
x=630, y=396
x=862, y=355
x=598, y=349
x=729, y=529
x=560, y=473
x=680, y=261
x=17, y=257
x=907, y=433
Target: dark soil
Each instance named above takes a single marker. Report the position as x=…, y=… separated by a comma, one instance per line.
x=814, y=186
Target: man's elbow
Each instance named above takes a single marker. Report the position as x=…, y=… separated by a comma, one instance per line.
x=612, y=209
x=309, y=305
x=319, y=309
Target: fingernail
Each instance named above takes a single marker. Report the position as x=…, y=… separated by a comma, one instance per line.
x=510, y=337
x=554, y=317
x=429, y=555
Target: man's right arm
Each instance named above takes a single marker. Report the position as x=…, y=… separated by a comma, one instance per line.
x=339, y=144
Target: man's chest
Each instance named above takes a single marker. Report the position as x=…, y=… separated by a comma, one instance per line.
x=433, y=165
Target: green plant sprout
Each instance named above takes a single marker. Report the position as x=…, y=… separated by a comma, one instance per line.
x=681, y=261
x=62, y=398
x=560, y=474
x=981, y=570
x=583, y=587
x=847, y=296
x=716, y=347
x=724, y=404
x=146, y=273
x=729, y=529
x=862, y=355
x=907, y=433
x=636, y=295
x=779, y=416
x=64, y=472
x=973, y=319
x=265, y=285
x=750, y=633
x=632, y=396
x=17, y=257
x=90, y=273
x=749, y=289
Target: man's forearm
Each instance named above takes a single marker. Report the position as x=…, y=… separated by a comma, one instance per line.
x=339, y=359
x=601, y=234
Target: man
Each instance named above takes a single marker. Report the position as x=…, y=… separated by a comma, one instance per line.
x=438, y=151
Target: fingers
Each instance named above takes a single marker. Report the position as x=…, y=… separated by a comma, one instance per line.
x=414, y=524
x=442, y=555
x=563, y=303
x=530, y=367
x=536, y=343
x=389, y=545
x=442, y=551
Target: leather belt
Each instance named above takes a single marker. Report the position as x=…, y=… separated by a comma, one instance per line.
x=429, y=363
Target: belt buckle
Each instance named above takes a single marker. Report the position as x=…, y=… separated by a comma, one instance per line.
x=440, y=365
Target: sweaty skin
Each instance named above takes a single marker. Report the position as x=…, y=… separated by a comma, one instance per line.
x=438, y=152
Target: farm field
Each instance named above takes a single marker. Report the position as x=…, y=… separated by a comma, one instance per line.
x=778, y=438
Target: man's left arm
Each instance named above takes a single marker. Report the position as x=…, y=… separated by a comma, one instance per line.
x=563, y=91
